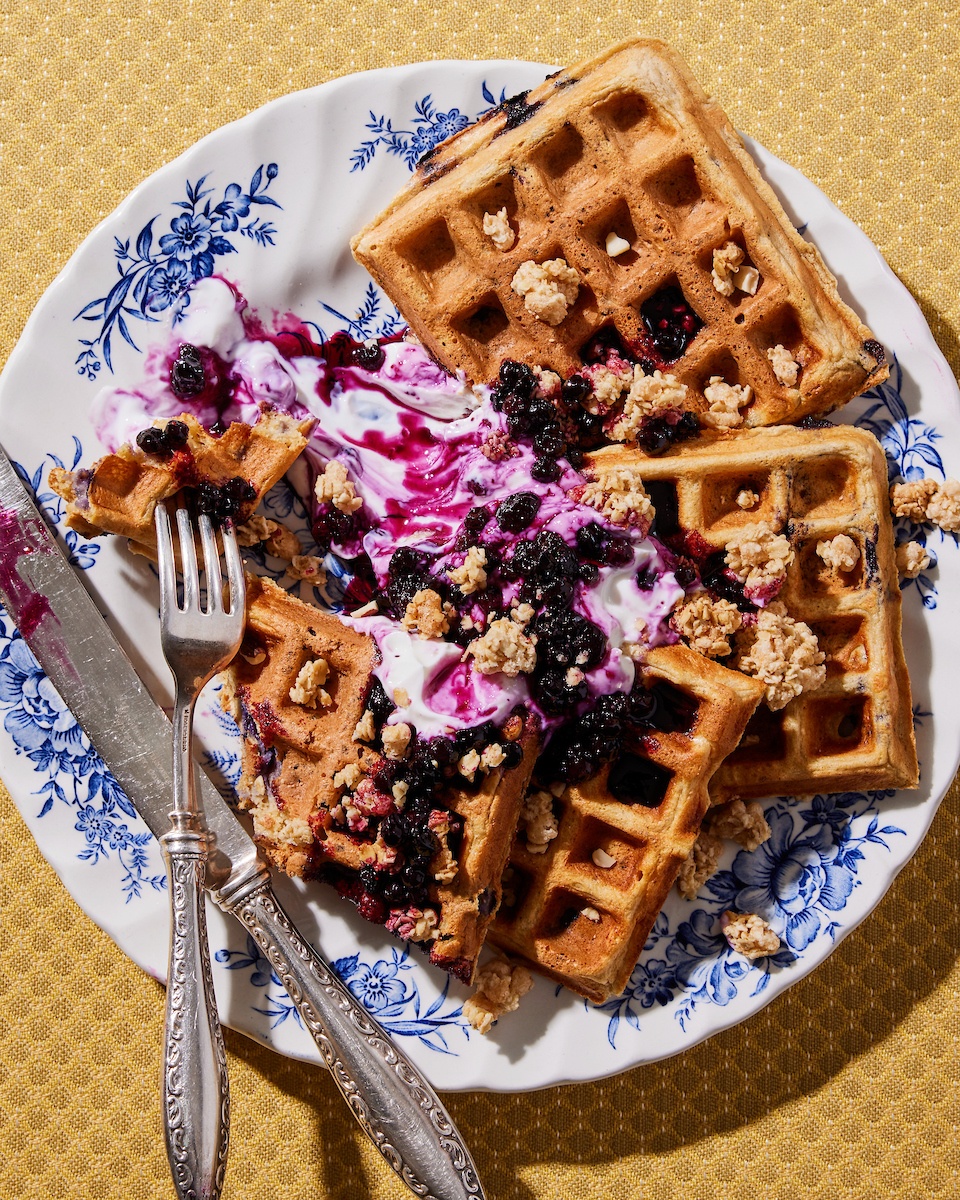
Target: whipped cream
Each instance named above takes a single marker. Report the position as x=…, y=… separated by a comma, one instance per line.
x=413, y=441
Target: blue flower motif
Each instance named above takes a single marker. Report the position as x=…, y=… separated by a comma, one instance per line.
x=36, y=716
x=429, y=128
x=94, y=824
x=377, y=986
x=792, y=879
x=153, y=277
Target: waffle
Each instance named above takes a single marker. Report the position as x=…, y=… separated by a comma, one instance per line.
x=627, y=143
x=584, y=924
x=292, y=753
x=120, y=492
x=855, y=731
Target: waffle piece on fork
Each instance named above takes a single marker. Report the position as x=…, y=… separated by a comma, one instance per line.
x=581, y=909
x=626, y=146
x=121, y=491
x=855, y=731
x=322, y=801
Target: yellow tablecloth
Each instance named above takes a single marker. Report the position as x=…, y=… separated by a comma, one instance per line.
x=843, y=1087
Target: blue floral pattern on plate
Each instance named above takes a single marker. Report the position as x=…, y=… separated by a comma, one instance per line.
x=155, y=275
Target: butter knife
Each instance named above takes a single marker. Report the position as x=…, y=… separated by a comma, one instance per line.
x=395, y=1105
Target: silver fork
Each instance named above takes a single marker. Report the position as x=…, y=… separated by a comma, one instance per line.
x=196, y=644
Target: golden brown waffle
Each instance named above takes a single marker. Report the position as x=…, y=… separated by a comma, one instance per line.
x=626, y=143
x=119, y=494
x=703, y=709
x=856, y=730
x=292, y=753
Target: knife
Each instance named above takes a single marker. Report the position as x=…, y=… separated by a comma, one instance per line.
x=395, y=1105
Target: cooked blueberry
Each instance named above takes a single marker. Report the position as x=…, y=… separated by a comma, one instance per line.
x=152, y=441
x=550, y=441
x=575, y=390
x=186, y=375
x=518, y=511
x=636, y=780
x=654, y=436
x=175, y=434
x=369, y=355
x=392, y=829
x=671, y=322
x=546, y=470
x=566, y=639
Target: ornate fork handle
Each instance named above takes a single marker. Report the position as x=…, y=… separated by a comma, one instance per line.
x=196, y=1093
x=397, y=1108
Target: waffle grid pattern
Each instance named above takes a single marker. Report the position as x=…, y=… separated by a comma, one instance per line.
x=546, y=924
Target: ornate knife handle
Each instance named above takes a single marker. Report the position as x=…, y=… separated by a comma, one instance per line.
x=396, y=1107
x=196, y=1095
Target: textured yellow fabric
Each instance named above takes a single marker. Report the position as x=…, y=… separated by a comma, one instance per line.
x=845, y=1087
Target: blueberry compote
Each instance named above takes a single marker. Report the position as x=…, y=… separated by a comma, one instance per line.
x=671, y=322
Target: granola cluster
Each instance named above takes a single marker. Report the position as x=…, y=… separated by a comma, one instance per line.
x=707, y=624
x=759, y=558
x=548, y=289
x=396, y=739
x=619, y=496
x=646, y=395
x=504, y=647
x=500, y=986
x=749, y=935
x=840, y=553
x=427, y=615
x=724, y=402
x=271, y=823
x=333, y=487
x=785, y=366
x=739, y=821
x=470, y=576
x=308, y=689
x=498, y=229
x=699, y=865
x=912, y=558
x=783, y=654
x=926, y=500
x=729, y=272
x=538, y=821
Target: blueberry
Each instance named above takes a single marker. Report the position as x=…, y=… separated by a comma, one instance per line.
x=175, y=434
x=368, y=355
x=546, y=470
x=187, y=376
x=152, y=441
x=550, y=441
x=518, y=511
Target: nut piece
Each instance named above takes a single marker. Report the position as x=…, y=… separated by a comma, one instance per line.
x=396, y=740
x=548, y=289
x=726, y=260
x=500, y=987
x=308, y=689
x=497, y=228
x=749, y=935
x=602, y=859
x=912, y=558
x=616, y=245
x=747, y=498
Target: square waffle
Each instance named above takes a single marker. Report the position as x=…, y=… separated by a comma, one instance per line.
x=856, y=730
x=585, y=924
x=627, y=143
x=120, y=492
x=291, y=754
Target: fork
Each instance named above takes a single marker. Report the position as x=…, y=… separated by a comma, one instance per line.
x=196, y=644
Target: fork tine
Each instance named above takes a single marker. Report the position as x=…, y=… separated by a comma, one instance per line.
x=211, y=565
x=188, y=562
x=168, y=573
x=231, y=553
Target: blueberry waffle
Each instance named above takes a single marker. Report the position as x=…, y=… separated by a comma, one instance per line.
x=615, y=206
x=855, y=730
x=579, y=906
x=228, y=474
x=415, y=845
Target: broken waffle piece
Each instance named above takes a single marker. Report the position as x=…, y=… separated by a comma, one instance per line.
x=749, y=934
x=624, y=143
x=500, y=986
x=229, y=475
x=414, y=851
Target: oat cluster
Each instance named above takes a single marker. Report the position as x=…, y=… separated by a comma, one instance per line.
x=254, y=530
x=308, y=689
x=783, y=654
x=470, y=576
x=504, y=647
x=646, y=395
x=724, y=401
x=729, y=272
x=270, y=823
x=618, y=495
x=427, y=615
x=785, y=366
x=548, y=289
x=538, y=821
x=739, y=821
x=333, y=487
x=840, y=553
x=707, y=624
x=498, y=229
x=912, y=558
x=396, y=739
x=749, y=935
x=500, y=987
x=759, y=558
x=309, y=568
x=923, y=500
x=699, y=865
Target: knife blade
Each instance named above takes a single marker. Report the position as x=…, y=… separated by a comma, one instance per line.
x=57, y=618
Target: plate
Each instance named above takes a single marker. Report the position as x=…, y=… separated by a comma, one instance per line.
x=270, y=203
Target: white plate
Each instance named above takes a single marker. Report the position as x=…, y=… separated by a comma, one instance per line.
x=283, y=190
